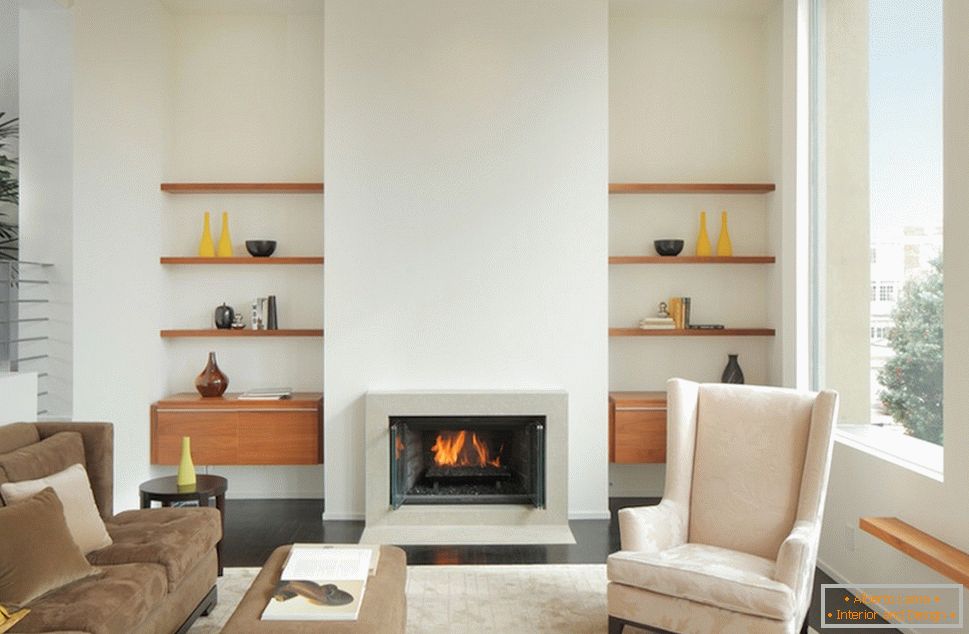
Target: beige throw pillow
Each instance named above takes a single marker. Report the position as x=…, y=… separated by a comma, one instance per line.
x=37, y=553
x=74, y=490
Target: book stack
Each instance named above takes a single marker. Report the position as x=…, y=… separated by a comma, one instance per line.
x=320, y=582
x=266, y=394
x=679, y=308
x=657, y=323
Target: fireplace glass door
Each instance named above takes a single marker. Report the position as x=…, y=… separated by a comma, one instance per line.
x=467, y=460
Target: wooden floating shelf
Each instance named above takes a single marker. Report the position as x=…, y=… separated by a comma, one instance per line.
x=691, y=259
x=243, y=332
x=691, y=188
x=934, y=553
x=243, y=260
x=693, y=332
x=242, y=188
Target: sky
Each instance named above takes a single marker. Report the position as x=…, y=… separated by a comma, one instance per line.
x=905, y=110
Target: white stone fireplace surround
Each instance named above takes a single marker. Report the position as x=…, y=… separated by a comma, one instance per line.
x=466, y=523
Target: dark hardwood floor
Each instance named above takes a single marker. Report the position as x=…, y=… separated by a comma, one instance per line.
x=254, y=528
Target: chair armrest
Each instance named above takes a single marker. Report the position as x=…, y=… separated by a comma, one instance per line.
x=652, y=528
x=796, y=558
x=98, y=439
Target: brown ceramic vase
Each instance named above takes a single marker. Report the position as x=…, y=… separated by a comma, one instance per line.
x=212, y=381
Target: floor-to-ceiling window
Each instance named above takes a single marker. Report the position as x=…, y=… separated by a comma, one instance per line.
x=878, y=210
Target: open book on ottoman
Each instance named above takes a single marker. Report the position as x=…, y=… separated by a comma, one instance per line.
x=322, y=582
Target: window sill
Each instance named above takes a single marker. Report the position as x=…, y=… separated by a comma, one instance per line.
x=910, y=453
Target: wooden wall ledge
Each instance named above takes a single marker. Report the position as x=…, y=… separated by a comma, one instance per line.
x=934, y=553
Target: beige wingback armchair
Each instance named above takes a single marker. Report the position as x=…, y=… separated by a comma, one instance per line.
x=732, y=547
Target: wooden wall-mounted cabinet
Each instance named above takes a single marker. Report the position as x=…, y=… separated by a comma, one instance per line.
x=637, y=427
x=227, y=431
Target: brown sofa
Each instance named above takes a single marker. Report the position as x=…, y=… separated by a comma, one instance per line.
x=159, y=574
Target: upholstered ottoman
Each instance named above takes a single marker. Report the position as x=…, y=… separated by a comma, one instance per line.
x=384, y=608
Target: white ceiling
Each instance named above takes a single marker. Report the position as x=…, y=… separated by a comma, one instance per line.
x=709, y=8
x=273, y=7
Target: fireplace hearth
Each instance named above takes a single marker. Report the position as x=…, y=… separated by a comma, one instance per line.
x=467, y=460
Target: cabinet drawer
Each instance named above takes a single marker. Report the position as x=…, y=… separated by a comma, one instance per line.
x=215, y=437
x=271, y=438
x=640, y=436
x=237, y=437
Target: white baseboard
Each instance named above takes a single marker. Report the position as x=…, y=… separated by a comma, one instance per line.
x=343, y=517
x=589, y=515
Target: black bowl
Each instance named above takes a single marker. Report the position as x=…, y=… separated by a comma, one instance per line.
x=667, y=247
x=265, y=248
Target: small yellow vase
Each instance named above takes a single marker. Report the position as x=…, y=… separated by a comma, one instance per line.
x=703, y=246
x=724, y=247
x=225, y=240
x=186, y=470
x=206, y=246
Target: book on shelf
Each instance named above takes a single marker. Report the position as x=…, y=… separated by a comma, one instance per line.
x=266, y=394
x=679, y=308
x=322, y=582
x=657, y=323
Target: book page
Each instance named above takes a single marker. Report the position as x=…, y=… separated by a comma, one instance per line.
x=327, y=564
x=373, y=548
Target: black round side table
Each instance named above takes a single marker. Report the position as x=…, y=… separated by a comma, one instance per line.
x=166, y=491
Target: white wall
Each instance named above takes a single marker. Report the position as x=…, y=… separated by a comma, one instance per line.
x=9, y=56
x=47, y=188
x=845, y=287
x=9, y=105
x=18, y=397
x=121, y=125
x=466, y=215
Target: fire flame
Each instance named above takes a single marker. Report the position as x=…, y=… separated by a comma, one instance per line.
x=451, y=449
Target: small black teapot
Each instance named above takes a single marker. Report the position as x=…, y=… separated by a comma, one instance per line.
x=224, y=316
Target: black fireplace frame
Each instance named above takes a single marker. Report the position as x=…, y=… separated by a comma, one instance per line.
x=534, y=426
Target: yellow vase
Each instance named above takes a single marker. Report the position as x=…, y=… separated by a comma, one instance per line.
x=186, y=470
x=724, y=247
x=225, y=240
x=703, y=246
x=206, y=246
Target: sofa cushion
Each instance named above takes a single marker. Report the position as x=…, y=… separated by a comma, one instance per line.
x=176, y=538
x=72, y=487
x=98, y=439
x=17, y=435
x=115, y=603
x=723, y=578
x=43, y=458
x=37, y=552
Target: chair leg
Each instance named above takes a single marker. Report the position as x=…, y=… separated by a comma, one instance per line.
x=615, y=625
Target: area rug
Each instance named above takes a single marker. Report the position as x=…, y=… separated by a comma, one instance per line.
x=555, y=598
x=442, y=599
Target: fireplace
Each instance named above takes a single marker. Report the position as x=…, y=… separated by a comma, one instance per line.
x=467, y=460
x=503, y=481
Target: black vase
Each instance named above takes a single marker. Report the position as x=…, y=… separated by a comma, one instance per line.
x=272, y=319
x=732, y=373
x=224, y=316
